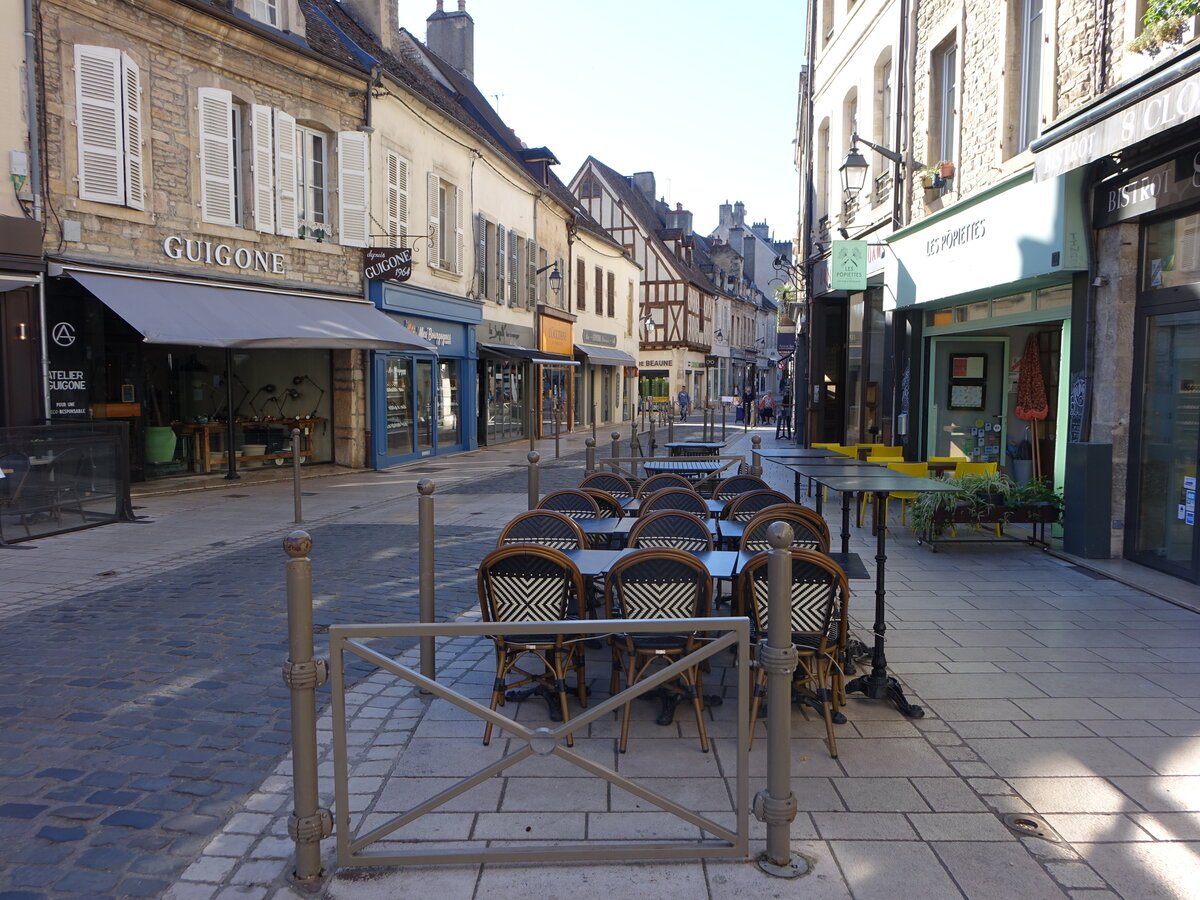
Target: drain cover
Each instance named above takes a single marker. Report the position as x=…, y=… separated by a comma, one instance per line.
x=1029, y=825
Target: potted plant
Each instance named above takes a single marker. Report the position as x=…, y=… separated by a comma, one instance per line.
x=1165, y=23
x=945, y=170
x=929, y=178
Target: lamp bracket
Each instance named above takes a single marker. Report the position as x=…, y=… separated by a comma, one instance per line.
x=882, y=151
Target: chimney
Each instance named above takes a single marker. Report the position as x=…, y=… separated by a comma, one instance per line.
x=725, y=214
x=739, y=213
x=643, y=182
x=680, y=218
x=379, y=18
x=451, y=35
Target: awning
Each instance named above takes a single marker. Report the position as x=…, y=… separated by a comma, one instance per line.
x=201, y=315
x=605, y=356
x=540, y=357
x=14, y=282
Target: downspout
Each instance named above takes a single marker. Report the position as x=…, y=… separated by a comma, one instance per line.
x=805, y=403
x=35, y=187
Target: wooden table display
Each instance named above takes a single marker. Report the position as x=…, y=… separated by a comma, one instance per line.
x=201, y=434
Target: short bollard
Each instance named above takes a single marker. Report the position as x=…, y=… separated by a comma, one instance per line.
x=616, y=444
x=556, y=430
x=298, y=519
x=589, y=455
x=670, y=428
x=593, y=421
x=756, y=467
x=653, y=442
x=723, y=408
x=534, y=490
x=776, y=806
x=308, y=824
x=425, y=563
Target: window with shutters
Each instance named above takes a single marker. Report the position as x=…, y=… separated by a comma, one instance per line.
x=611, y=283
x=481, y=256
x=531, y=264
x=312, y=188
x=108, y=123
x=598, y=287
x=353, y=154
x=500, y=254
x=444, y=203
x=514, y=270
x=219, y=157
x=580, y=284
x=397, y=199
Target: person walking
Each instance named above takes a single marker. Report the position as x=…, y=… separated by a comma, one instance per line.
x=766, y=408
x=684, y=402
x=748, y=405
x=783, y=421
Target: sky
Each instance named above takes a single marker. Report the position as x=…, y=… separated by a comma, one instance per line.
x=701, y=93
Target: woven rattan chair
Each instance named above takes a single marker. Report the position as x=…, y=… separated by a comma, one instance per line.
x=738, y=484
x=545, y=528
x=571, y=502
x=611, y=483
x=660, y=481
x=819, y=594
x=671, y=528
x=809, y=530
x=610, y=506
x=658, y=584
x=527, y=583
x=674, y=498
x=746, y=506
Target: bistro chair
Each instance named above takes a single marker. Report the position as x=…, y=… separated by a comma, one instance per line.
x=916, y=469
x=674, y=498
x=527, y=583
x=12, y=489
x=545, y=528
x=660, y=481
x=658, y=584
x=882, y=451
x=617, y=485
x=671, y=528
x=965, y=467
x=819, y=595
x=738, y=484
x=571, y=502
x=745, y=506
x=809, y=530
x=610, y=506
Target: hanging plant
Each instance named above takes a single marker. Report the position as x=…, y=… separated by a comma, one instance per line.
x=1165, y=23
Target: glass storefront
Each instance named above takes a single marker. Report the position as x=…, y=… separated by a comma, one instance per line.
x=505, y=400
x=556, y=398
x=422, y=406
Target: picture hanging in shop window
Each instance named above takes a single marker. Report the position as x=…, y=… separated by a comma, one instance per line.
x=968, y=373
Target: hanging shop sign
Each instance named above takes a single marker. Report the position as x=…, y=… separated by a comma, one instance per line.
x=848, y=266
x=387, y=263
x=555, y=336
x=711, y=362
x=1148, y=191
x=222, y=255
x=599, y=338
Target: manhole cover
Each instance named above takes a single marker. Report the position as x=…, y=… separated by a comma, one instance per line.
x=1029, y=825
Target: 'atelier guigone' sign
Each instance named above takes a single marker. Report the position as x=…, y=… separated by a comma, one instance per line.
x=387, y=263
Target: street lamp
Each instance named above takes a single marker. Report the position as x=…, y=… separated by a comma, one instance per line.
x=556, y=279
x=854, y=168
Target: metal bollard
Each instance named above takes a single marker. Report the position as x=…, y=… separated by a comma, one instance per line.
x=589, y=455
x=615, y=437
x=723, y=408
x=777, y=804
x=299, y=516
x=756, y=467
x=593, y=421
x=425, y=574
x=556, y=441
x=309, y=824
x=653, y=442
x=670, y=428
x=534, y=491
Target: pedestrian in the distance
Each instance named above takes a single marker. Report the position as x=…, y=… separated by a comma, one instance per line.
x=684, y=402
x=748, y=404
x=783, y=422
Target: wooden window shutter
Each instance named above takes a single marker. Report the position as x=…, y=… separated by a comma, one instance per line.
x=262, y=139
x=216, y=156
x=501, y=259
x=458, y=231
x=98, y=124
x=612, y=295
x=531, y=254
x=481, y=256
x=580, y=285
x=432, y=188
x=397, y=199
x=514, y=270
x=353, y=152
x=286, y=177
x=135, y=176
x=598, y=288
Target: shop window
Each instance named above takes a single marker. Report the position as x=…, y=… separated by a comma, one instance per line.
x=108, y=109
x=1051, y=298
x=971, y=312
x=1172, y=254
x=1008, y=306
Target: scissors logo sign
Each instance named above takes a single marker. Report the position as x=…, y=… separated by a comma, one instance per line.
x=63, y=334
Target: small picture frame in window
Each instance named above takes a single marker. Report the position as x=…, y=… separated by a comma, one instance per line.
x=127, y=393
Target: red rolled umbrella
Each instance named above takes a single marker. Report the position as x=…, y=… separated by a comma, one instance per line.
x=1031, y=386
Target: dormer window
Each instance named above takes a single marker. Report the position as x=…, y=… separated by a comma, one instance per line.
x=265, y=11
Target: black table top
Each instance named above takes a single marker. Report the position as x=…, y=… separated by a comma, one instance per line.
x=682, y=464
x=716, y=445
x=887, y=482
x=720, y=563
x=865, y=470
x=800, y=453
x=633, y=505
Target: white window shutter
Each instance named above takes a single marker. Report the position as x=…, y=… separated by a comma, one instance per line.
x=286, y=208
x=216, y=156
x=458, y=231
x=481, y=256
x=98, y=124
x=514, y=270
x=432, y=185
x=501, y=260
x=397, y=199
x=262, y=137
x=353, y=190
x=135, y=174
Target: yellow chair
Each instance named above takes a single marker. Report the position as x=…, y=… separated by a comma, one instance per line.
x=973, y=468
x=826, y=446
x=947, y=459
x=885, y=450
x=845, y=450
x=917, y=469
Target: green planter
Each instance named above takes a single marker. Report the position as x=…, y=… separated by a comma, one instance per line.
x=160, y=444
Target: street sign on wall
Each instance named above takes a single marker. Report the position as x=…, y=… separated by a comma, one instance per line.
x=848, y=266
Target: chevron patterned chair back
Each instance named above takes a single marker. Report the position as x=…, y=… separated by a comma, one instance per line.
x=683, y=499
x=529, y=583
x=738, y=484
x=571, y=502
x=660, y=481
x=673, y=529
x=658, y=584
x=810, y=531
x=610, y=506
x=609, y=482
x=545, y=528
x=746, y=506
x=819, y=595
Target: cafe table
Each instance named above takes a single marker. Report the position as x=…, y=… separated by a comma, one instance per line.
x=694, y=448
x=632, y=505
x=619, y=529
x=688, y=467
x=791, y=453
x=878, y=685
x=809, y=468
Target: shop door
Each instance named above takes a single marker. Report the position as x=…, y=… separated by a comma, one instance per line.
x=449, y=406
x=418, y=408
x=426, y=406
x=1167, y=445
x=967, y=392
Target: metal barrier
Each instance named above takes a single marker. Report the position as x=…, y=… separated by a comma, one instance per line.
x=60, y=478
